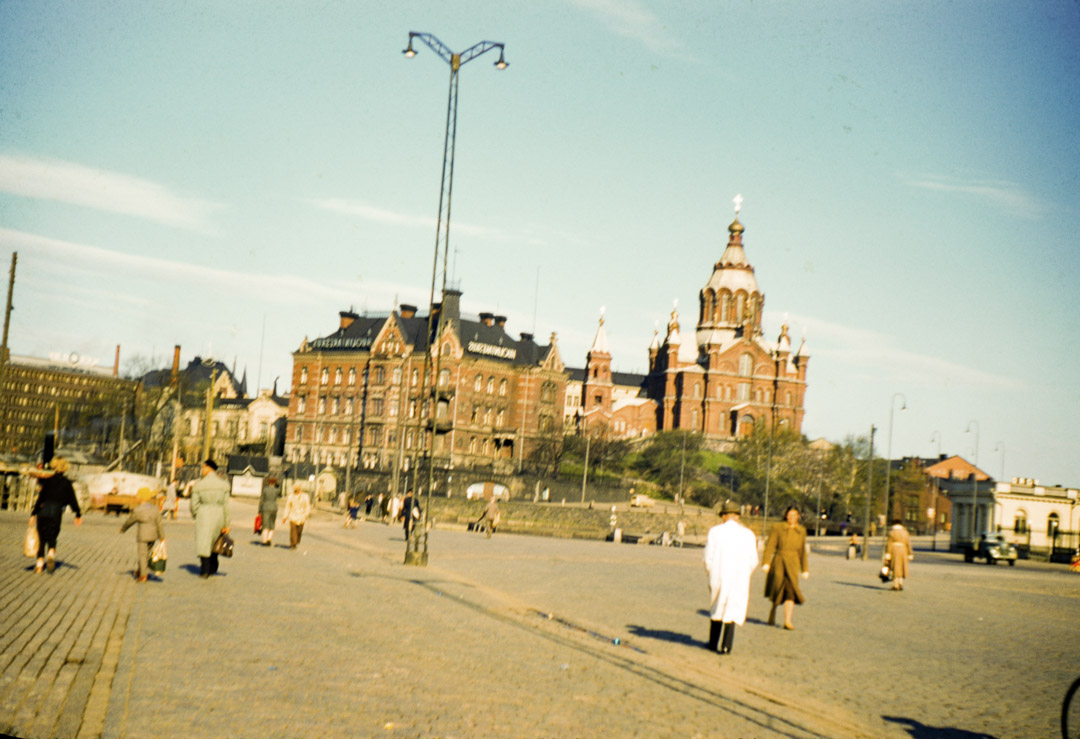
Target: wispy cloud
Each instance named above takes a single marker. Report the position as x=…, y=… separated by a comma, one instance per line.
x=877, y=354
x=98, y=266
x=998, y=193
x=113, y=192
x=630, y=19
x=367, y=212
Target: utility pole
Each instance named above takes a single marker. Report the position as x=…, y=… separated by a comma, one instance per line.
x=4, y=354
x=869, y=490
x=209, y=413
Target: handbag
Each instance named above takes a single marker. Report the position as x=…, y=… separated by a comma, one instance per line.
x=30, y=545
x=223, y=545
x=258, y=522
x=158, y=556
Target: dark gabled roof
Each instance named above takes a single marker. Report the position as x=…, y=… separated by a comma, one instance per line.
x=197, y=370
x=628, y=379
x=622, y=379
x=478, y=339
x=240, y=463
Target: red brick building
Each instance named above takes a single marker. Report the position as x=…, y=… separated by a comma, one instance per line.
x=357, y=393
x=721, y=381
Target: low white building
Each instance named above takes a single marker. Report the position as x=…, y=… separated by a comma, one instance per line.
x=1042, y=518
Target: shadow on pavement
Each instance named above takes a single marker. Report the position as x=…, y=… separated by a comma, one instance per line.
x=664, y=635
x=922, y=731
x=861, y=585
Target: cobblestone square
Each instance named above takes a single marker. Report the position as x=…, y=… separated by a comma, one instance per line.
x=514, y=636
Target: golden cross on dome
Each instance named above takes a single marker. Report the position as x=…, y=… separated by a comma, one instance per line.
x=738, y=204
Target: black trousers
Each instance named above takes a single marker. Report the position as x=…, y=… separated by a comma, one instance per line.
x=721, y=634
x=48, y=528
x=208, y=565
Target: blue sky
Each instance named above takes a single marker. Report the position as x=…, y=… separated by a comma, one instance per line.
x=188, y=173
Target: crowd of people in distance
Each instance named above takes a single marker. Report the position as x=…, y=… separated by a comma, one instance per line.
x=730, y=557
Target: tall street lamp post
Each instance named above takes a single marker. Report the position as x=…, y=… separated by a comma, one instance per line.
x=888, y=457
x=974, y=481
x=416, y=547
x=869, y=494
x=933, y=506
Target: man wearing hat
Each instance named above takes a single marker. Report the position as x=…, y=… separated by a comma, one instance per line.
x=210, y=508
x=148, y=517
x=730, y=558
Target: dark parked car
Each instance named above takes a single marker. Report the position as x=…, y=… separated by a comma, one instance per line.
x=993, y=548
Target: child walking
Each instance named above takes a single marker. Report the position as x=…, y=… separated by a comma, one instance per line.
x=150, y=530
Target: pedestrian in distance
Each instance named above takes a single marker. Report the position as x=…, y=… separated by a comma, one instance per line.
x=148, y=532
x=296, y=513
x=410, y=512
x=210, y=509
x=730, y=559
x=784, y=561
x=354, y=512
x=898, y=553
x=170, y=500
x=268, y=507
x=491, y=516
x=55, y=493
x=368, y=501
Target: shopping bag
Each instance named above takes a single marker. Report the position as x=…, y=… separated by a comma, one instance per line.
x=258, y=522
x=223, y=545
x=158, y=556
x=30, y=546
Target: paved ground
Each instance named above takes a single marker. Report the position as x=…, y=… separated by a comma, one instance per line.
x=513, y=636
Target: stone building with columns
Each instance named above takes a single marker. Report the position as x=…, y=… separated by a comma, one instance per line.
x=722, y=380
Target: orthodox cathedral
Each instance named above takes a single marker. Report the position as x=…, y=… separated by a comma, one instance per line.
x=722, y=380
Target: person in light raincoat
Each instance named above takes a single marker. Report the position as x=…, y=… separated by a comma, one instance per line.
x=210, y=508
x=730, y=559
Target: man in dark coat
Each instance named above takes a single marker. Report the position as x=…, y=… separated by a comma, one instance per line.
x=410, y=512
x=57, y=493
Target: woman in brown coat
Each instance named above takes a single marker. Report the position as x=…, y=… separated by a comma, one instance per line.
x=785, y=560
x=898, y=551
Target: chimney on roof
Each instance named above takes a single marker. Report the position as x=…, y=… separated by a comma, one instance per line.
x=347, y=318
x=174, y=376
x=116, y=363
x=408, y=311
x=452, y=304
x=500, y=321
x=526, y=337
x=487, y=319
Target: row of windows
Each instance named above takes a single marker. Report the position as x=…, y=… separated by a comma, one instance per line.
x=1021, y=526
x=378, y=375
x=726, y=310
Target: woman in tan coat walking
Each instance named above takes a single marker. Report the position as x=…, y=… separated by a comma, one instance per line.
x=785, y=561
x=898, y=552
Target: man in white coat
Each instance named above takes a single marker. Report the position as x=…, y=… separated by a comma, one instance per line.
x=730, y=558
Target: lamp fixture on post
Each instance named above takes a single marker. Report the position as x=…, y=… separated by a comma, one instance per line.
x=416, y=546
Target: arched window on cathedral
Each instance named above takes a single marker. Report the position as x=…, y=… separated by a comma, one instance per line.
x=707, y=300
x=787, y=398
x=725, y=306
x=746, y=365
x=740, y=307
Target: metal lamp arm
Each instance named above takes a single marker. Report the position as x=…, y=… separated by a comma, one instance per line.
x=479, y=49
x=433, y=43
